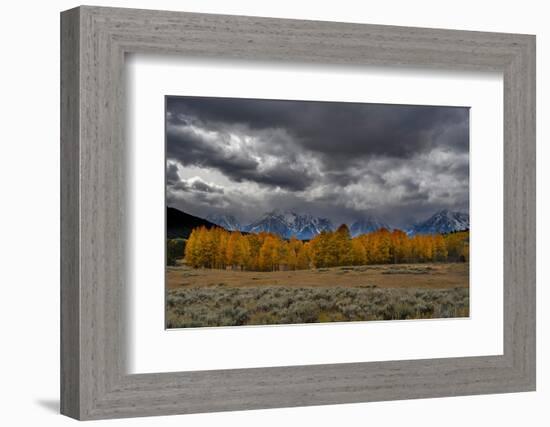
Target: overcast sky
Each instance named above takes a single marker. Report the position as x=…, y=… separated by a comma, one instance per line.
x=338, y=160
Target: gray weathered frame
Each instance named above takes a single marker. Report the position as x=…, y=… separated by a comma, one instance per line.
x=94, y=41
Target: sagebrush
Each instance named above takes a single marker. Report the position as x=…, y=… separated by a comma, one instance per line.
x=232, y=306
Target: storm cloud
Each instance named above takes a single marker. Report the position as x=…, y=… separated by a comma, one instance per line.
x=340, y=160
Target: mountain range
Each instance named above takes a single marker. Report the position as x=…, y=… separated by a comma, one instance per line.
x=306, y=226
x=229, y=222
x=287, y=224
x=443, y=221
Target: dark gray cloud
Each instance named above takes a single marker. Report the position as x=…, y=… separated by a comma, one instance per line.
x=190, y=146
x=338, y=159
x=172, y=176
x=336, y=128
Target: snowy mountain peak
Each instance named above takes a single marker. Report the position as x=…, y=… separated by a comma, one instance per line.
x=444, y=221
x=229, y=222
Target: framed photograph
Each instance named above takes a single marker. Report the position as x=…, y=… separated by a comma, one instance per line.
x=262, y=213
x=270, y=212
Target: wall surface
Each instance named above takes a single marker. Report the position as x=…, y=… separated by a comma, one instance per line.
x=29, y=224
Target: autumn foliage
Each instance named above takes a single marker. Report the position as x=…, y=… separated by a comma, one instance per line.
x=220, y=249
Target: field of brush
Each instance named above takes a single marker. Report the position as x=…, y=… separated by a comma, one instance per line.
x=204, y=297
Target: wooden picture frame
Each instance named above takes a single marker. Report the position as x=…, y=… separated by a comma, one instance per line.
x=94, y=382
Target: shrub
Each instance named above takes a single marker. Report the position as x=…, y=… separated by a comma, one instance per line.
x=225, y=306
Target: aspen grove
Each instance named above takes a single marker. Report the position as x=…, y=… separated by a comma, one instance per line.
x=217, y=248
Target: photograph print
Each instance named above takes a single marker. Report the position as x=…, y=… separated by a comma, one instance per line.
x=293, y=212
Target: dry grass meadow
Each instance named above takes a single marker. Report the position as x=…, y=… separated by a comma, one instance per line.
x=205, y=297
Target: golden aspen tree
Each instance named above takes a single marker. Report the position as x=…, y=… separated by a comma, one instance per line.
x=214, y=238
x=365, y=240
x=243, y=252
x=292, y=249
x=420, y=249
x=233, y=255
x=303, y=261
x=331, y=249
x=207, y=245
x=200, y=245
x=373, y=247
x=400, y=248
x=342, y=241
x=221, y=249
x=282, y=252
x=254, y=244
x=358, y=252
x=414, y=249
x=425, y=249
x=324, y=250
x=269, y=254
x=384, y=246
x=439, y=248
x=315, y=256
x=191, y=249
x=196, y=250
x=457, y=246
